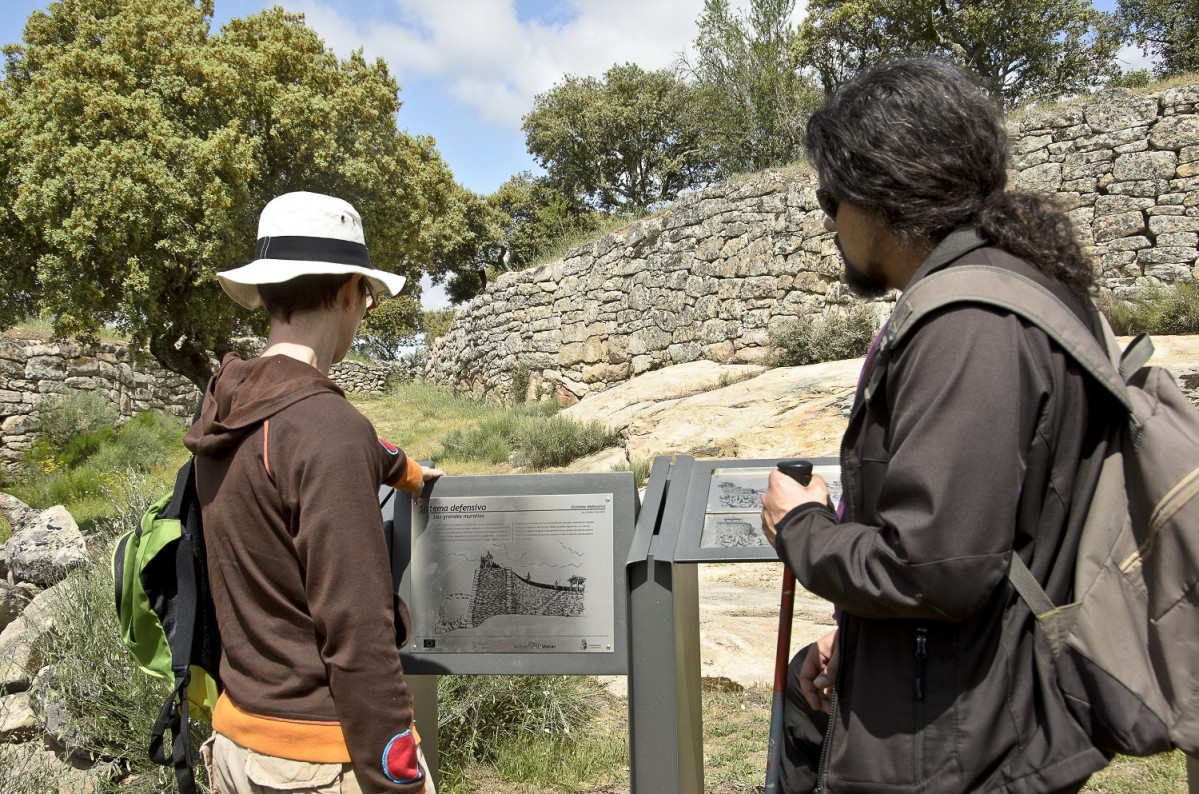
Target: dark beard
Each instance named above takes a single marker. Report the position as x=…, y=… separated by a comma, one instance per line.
x=867, y=283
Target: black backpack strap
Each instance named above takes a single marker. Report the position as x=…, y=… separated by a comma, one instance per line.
x=173, y=714
x=173, y=717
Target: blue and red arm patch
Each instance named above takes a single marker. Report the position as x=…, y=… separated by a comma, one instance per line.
x=392, y=449
x=399, y=757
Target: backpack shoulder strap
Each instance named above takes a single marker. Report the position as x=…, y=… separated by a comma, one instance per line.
x=993, y=286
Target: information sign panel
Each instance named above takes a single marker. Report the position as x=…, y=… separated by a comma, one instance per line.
x=721, y=519
x=513, y=574
x=516, y=574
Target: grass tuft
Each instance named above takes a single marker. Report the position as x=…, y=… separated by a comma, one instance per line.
x=510, y=720
x=835, y=337
x=1154, y=308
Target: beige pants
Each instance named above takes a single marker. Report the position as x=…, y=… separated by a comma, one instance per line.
x=233, y=769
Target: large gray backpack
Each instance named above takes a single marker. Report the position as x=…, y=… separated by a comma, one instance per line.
x=1127, y=649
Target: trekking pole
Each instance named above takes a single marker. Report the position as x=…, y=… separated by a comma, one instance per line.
x=801, y=472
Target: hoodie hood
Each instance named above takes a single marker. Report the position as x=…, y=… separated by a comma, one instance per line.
x=245, y=393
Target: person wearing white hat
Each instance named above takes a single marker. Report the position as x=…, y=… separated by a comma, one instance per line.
x=287, y=472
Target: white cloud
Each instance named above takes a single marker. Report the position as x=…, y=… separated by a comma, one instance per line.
x=1133, y=58
x=495, y=62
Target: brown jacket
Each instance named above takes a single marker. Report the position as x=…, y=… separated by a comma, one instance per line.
x=983, y=439
x=288, y=474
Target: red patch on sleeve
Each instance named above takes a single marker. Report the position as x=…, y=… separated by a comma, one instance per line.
x=399, y=759
x=392, y=448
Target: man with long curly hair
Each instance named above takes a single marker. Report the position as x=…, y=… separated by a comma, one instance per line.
x=982, y=439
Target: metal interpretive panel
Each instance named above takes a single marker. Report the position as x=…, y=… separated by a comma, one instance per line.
x=516, y=574
x=721, y=519
x=513, y=574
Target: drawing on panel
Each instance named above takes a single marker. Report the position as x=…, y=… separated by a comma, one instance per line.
x=499, y=590
x=516, y=573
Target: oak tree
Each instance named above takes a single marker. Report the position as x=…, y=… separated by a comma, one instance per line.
x=1021, y=50
x=624, y=142
x=139, y=150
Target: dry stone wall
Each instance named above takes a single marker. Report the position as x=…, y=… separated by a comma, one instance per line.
x=32, y=371
x=713, y=275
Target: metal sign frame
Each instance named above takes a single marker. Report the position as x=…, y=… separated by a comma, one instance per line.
x=397, y=516
x=693, y=518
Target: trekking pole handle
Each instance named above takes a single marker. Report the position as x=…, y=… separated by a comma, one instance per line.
x=797, y=469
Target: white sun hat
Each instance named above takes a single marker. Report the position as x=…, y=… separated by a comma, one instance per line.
x=301, y=234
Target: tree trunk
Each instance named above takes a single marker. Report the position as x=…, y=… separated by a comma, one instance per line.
x=182, y=357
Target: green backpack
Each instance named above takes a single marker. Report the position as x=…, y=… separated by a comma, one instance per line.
x=167, y=617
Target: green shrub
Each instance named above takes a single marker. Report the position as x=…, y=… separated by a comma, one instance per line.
x=1156, y=309
x=556, y=440
x=490, y=440
x=835, y=337
x=481, y=718
x=1119, y=313
x=74, y=413
x=520, y=383
x=149, y=440
x=531, y=433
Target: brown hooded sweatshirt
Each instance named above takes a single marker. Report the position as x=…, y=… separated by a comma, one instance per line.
x=288, y=474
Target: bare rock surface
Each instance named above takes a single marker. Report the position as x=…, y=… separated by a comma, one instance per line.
x=783, y=412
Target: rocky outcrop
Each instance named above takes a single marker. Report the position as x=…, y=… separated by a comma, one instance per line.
x=711, y=277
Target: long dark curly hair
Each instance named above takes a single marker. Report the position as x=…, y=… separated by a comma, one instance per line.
x=921, y=146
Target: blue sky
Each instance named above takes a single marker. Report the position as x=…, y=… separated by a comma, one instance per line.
x=469, y=69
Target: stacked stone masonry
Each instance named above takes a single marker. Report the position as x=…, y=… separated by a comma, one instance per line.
x=712, y=276
x=32, y=372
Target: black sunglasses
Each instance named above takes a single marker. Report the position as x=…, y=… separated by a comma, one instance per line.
x=829, y=203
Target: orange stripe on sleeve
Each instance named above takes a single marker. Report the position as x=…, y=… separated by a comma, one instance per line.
x=412, y=479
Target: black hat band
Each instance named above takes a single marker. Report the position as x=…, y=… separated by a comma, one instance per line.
x=313, y=249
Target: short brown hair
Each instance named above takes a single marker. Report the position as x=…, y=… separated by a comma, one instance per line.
x=302, y=293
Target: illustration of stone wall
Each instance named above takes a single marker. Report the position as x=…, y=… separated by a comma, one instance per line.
x=499, y=591
x=711, y=276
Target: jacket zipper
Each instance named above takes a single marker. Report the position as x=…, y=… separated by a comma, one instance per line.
x=822, y=768
x=918, y=736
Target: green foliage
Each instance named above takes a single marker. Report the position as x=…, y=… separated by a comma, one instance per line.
x=1156, y=309
x=436, y=322
x=483, y=718
x=136, y=151
x=753, y=100
x=529, y=435
x=392, y=325
x=834, y=338
x=520, y=383
x=1168, y=29
x=78, y=454
x=1138, y=78
x=639, y=468
x=625, y=142
x=73, y=413
x=106, y=704
x=539, y=215
x=1039, y=49
x=557, y=440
